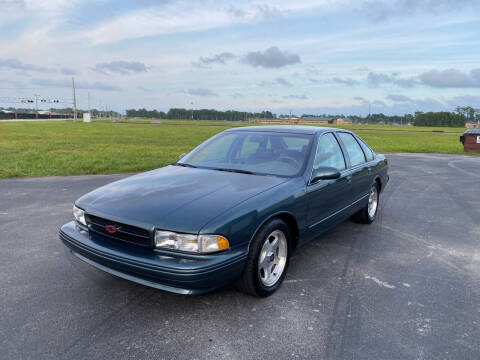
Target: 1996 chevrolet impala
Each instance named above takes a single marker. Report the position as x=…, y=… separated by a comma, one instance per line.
x=234, y=209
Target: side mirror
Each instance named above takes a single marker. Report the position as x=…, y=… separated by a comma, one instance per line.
x=181, y=156
x=324, y=173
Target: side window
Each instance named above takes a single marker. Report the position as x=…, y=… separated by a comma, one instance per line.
x=354, y=150
x=329, y=153
x=368, y=152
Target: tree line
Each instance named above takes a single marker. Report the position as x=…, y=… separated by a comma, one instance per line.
x=472, y=115
x=94, y=112
x=452, y=119
x=440, y=119
x=419, y=119
x=201, y=114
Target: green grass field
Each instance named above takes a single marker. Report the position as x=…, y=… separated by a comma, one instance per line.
x=352, y=127
x=67, y=148
x=357, y=127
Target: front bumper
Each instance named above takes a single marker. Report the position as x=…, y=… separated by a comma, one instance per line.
x=174, y=272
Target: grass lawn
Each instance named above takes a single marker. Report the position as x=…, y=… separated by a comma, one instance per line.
x=357, y=127
x=175, y=122
x=352, y=127
x=67, y=148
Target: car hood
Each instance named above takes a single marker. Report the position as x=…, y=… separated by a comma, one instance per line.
x=174, y=198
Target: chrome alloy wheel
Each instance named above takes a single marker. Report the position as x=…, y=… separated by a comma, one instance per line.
x=373, y=202
x=272, y=258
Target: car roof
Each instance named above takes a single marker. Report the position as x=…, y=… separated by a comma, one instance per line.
x=296, y=129
x=473, y=131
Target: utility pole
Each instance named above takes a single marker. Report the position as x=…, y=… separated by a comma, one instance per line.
x=191, y=111
x=36, y=101
x=74, y=101
x=369, y=111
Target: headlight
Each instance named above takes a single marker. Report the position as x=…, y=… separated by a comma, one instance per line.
x=79, y=215
x=190, y=243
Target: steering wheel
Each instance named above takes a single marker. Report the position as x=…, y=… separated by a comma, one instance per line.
x=290, y=160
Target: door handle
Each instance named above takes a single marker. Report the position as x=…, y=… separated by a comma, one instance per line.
x=349, y=178
x=369, y=170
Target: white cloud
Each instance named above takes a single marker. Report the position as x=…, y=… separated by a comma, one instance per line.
x=451, y=78
x=187, y=16
x=221, y=58
x=383, y=9
x=399, y=98
x=345, y=81
x=376, y=79
x=278, y=81
x=201, y=92
x=16, y=64
x=54, y=10
x=273, y=57
x=67, y=83
x=121, y=67
x=297, y=97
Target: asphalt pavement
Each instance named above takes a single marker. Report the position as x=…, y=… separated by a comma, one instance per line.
x=406, y=287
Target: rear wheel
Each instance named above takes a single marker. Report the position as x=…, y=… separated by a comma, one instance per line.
x=267, y=260
x=368, y=214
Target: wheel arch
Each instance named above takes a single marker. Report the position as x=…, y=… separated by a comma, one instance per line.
x=288, y=219
x=379, y=183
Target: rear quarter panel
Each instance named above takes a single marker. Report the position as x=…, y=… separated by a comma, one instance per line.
x=380, y=169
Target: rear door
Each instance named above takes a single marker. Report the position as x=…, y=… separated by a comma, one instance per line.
x=327, y=198
x=358, y=168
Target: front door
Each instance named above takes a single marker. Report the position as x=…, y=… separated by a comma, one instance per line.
x=328, y=198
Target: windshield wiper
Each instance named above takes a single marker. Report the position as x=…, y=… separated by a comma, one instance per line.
x=184, y=165
x=236, y=171
x=240, y=171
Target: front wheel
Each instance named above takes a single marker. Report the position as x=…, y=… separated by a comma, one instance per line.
x=267, y=260
x=368, y=214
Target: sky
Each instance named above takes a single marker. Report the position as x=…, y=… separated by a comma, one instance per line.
x=302, y=57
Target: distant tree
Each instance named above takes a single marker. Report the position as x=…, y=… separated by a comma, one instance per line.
x=440, y=119
x=471, y=113
x=199, y=114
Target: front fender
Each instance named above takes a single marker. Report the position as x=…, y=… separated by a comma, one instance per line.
x=240, y=224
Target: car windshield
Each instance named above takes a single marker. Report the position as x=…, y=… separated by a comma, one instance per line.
x=264, y=153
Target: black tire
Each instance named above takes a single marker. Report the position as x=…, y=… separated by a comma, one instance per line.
x=250, y=281
x=363, y=216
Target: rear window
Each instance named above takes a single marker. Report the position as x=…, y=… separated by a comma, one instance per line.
x=354, y=151
x=368, y=152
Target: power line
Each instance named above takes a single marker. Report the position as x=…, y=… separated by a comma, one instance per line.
x=31, y=100
x=20, y=88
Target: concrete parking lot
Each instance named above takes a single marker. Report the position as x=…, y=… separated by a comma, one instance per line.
x=407, y=287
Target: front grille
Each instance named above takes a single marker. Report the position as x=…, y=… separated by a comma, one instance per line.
x=128, y=233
